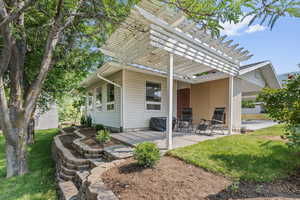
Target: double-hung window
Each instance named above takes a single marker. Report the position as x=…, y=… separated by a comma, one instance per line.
x=153, y=96
x=98, y=102
x=90, y=101
x=110, y=104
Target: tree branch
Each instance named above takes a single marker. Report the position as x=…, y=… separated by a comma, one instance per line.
x=4, y=115
x=16, y=13
x=53, y=38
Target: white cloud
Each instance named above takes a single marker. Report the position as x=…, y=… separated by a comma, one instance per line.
x=240, y=28
x=255, y=28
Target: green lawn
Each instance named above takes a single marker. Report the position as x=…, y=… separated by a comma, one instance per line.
x=39, y=183
x=252, y=157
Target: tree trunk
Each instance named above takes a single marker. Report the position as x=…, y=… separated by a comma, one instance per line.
x=16, y=154
x=30, y=131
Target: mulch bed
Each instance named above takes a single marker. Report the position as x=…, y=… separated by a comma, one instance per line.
x=69, y=129
x=67, y=141
x=174, y=179
x=170, y=179
x=93, y=143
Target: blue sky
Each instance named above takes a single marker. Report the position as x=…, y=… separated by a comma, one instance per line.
x=281, y=45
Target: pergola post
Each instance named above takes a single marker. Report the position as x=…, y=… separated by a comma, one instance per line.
x=230, y=105
x=170, y=108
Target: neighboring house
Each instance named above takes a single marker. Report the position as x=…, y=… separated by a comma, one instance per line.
x=258, y=108
x=168, y=65
x=284, y=77
x=48, y=119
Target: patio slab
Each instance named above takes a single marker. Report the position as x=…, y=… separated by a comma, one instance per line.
x=180, y=139
x=258, y=124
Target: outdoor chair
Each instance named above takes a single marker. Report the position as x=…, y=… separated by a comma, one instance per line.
x=185, y=123
x=214, y=126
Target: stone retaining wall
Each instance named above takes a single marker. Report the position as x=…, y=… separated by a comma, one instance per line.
x=80, y=178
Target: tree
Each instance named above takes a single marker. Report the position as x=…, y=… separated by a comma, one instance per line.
x=36, y=37
x=283, y=105
x=39, y=39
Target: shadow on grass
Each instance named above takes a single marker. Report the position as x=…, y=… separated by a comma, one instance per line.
x=267, y=166
x=39, y=183
x=266, y=175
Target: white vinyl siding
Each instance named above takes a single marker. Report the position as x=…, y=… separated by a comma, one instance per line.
x=111, y=118
x=135, y=113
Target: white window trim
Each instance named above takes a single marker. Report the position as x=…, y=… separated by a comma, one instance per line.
x=101, y=104
x=153, y=102
x=111, y=102
x=90, y=106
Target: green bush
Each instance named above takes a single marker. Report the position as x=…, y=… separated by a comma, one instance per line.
x=103, y=136
x=99, y=127
x=283, y=106
x=89, y=121
x=83, y=120
x=147, y=154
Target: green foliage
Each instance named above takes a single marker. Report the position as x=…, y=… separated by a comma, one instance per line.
x=211, y=14
x=147, y=154
x=250, y=157
x=67, y=111
x=39, y=184
x=283, y=105
x=103, y=136
x=99, y=127
x=248, y=104
x=83, y=120
x=89, y=121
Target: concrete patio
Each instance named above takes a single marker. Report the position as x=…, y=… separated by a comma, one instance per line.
x=180, y=139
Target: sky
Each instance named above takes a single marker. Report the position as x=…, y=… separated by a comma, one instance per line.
x=281, y=45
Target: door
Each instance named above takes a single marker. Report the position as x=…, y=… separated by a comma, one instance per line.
x=183, y=100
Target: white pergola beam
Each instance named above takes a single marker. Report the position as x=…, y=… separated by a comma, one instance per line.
x=230, y=105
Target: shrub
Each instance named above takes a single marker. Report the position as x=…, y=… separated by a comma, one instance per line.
x=147, y=154
x=283, y=106
x=103, y=136
x=99, y=127
x=89, y=121
x=83, y=120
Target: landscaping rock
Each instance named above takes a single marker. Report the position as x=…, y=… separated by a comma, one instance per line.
x=68, y=190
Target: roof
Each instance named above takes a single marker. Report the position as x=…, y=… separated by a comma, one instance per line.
x=153, y=30
x=265, y=67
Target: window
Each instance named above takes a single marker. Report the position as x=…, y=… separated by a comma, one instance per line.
x=153, y=96
x=90, y=101
x=110, y=105
x=98, y=103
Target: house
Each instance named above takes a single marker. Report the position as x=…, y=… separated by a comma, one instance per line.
x=161, y=62
x=48, y=119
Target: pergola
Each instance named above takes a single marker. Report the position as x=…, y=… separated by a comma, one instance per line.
x=162, y=38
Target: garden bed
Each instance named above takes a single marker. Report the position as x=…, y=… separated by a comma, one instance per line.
x=67, y=141
x=174, y=179
x=170, y=179
x=93, y=143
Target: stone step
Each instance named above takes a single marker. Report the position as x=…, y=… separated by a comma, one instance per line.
x=75, y=167
x=67, y=171
x=119, y=151
x=68, y=190
x=65, y=177
x=89, y=156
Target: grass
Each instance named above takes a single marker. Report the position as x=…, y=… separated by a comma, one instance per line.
x=251, y=157
x=260, y=116
x=39, y=184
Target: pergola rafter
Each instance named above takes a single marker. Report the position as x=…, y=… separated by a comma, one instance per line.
x=157, y=36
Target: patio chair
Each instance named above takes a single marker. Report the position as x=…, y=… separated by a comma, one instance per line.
x=185, y=123
x=214, y=126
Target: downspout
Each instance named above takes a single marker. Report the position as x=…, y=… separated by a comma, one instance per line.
x=121, y=100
